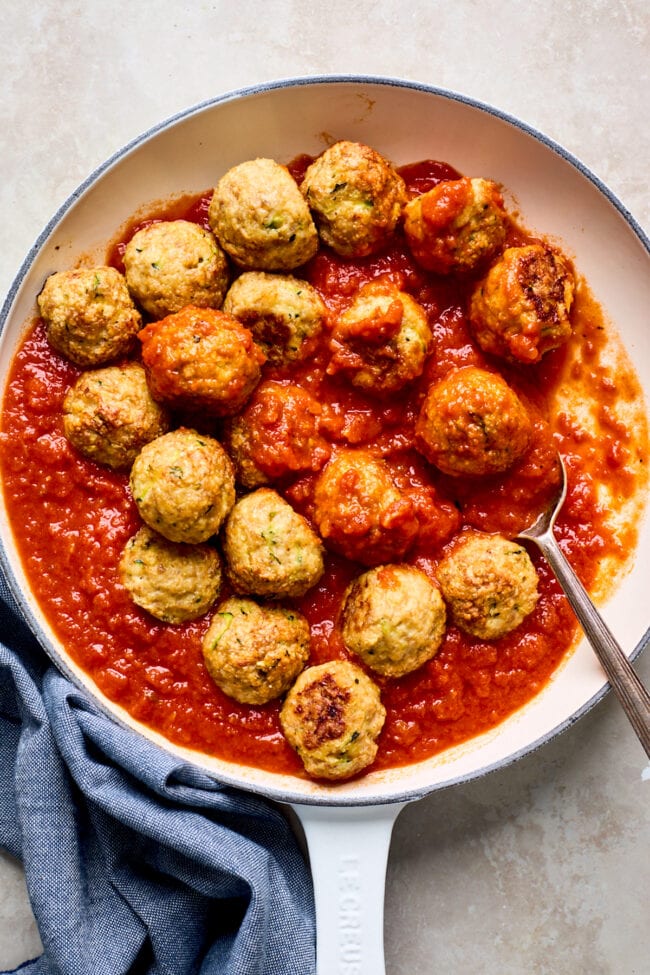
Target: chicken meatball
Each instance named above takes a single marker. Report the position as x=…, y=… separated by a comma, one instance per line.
x=332, y=717
x=356, y=197
x=472, y=422
x=393, y=618
x=172, y=581
x=285, y=314
x=254, y=653
x=201, y=360
x=489, y=584
x=175, y=263
x=456, y=226
x=277, y=436
x=89, y=315
x=381, y=342
x=183, y=485
x=522, y=308
x=270, y=549
x=260, y=218
x=359, y=511
x=109, y=415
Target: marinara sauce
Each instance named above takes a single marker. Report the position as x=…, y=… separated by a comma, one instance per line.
x=71, y=519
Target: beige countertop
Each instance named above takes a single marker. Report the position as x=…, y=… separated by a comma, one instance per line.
x=542, y=868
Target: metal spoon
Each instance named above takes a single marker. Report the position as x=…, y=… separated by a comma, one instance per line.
x=627, y=686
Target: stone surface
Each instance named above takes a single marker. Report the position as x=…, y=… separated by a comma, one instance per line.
x=541, y=868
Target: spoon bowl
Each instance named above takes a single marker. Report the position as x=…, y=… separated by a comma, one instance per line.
x=543, y=525
x=620, y=674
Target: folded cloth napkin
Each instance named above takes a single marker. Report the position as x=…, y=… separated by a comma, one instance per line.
x=137, y=863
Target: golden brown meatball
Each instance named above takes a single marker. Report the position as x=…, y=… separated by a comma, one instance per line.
x=201, y=360
x=285, y=314
x=393, y=617
x=456, y=226
x=259, y=217
x=472, y=422
x=332, y=717
x=254, y=653
x=360, y=512
x=381, y=342
x=270, y=549
x=276, y=436
x=173, y=582
x=89, y=315
x=183, y=485
x=521, y=309
x=109, y=415
x=356, y=198
x=489, y=584
x=175, y=263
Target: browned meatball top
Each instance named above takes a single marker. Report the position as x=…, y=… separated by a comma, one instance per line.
x=332, y=716
x=522, y=308
x=109, y=415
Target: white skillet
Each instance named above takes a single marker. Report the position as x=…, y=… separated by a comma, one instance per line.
x=348, y=827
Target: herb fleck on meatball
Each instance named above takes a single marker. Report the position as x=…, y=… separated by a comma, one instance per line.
x=270, y=549
x=183, y=485
x=89, y=315
x=172, y=581
x=489, y=584
x=393, y=618
x=259, y=217
x=254, y=652
x=175, y=263
x=356, y=197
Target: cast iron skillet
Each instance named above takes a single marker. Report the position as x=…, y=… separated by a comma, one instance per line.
x=348, y=826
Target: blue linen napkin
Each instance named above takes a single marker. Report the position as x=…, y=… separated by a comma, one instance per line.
x=137, y=863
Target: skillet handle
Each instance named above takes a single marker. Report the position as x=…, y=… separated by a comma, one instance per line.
x=348, y=852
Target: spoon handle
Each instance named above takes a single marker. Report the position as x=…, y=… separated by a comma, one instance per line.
x=623, y=679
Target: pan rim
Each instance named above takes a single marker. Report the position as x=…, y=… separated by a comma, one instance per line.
x=329, y=797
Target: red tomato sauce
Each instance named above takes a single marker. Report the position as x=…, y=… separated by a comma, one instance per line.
x=71, y=519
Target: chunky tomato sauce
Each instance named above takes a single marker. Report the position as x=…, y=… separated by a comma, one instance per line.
x=71, y=519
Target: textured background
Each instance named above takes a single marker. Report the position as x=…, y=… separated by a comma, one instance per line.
x=541, y=869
